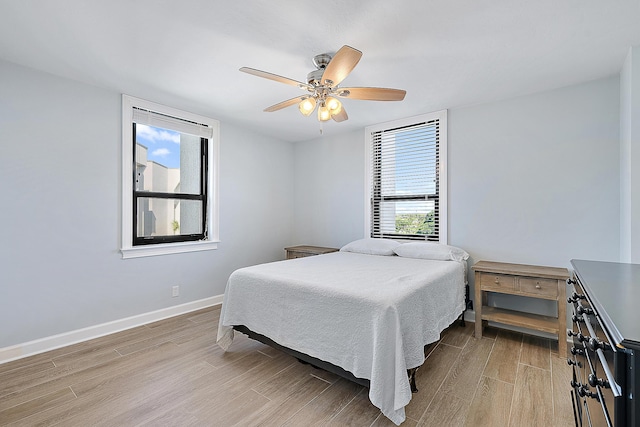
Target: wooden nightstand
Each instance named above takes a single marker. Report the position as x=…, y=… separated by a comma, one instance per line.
x=303, y=251
x=524, y=280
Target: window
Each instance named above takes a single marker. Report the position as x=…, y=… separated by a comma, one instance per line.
x=406, y=179
x=170, y=185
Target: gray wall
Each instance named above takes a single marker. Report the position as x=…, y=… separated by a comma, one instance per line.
x=531, y=180
x=630, y=155
x=329, y=190
x=60, y=180
x=535, y=179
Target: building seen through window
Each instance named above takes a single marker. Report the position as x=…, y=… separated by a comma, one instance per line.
x=168, y=168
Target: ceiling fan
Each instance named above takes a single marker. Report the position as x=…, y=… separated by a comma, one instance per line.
x=322, y=86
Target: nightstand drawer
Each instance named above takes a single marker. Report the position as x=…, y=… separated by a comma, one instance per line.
x=498, y=282
x=302, y=251
x=294, y=255
x=543, y=287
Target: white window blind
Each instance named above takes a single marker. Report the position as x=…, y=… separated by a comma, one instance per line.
x=151, y=118
x=405, y=181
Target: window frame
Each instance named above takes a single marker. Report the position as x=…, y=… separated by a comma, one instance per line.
x=202, y=196
x=163, y=245
x=441, y=116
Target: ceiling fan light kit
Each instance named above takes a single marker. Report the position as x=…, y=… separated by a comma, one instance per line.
x=323, y=112
x=307, y=106
x=322, y=85
x=333, y=105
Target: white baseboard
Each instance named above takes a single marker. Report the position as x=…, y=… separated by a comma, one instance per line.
x=41, y=345
x=470, y=316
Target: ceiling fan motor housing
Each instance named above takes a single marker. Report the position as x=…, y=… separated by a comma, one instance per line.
x=320, y=61
x=313, y=78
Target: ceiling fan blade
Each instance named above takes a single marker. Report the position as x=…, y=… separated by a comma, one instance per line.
x=285, y=104
x=372, y=93
x=275, y=77
x=341, y=116
x=343, y=62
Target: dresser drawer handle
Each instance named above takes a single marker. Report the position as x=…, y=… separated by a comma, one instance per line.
x=538, y=285
x=615, y=388
x=497, y=281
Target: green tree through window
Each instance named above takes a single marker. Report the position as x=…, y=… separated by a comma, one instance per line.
x=415, y=223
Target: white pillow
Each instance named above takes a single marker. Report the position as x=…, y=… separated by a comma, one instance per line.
x=430, y=250
x=371, y=246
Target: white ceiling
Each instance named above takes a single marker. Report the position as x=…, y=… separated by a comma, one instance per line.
x=445, y=54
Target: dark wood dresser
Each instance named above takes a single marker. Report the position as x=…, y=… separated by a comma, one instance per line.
x=605, y=355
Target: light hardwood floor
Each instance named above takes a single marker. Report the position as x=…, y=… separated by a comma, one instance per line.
x=171, y=373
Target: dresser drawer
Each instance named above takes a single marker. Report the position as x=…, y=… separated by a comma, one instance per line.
x=541, y=287
x=498, y=282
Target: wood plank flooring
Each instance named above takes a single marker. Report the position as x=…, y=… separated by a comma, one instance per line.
x=171, y=373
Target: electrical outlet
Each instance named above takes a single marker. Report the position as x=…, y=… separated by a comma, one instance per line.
x=175, y=291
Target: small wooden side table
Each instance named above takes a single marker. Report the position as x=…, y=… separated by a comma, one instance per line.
x=524, y=280
x=304, y=251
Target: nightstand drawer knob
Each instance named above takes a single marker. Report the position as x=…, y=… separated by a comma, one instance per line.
x=497, y=281
x=538, y=285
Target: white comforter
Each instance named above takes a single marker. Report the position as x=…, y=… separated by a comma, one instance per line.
x=369, y=314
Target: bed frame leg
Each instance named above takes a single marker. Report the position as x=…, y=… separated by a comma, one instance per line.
x=412, y=379
x=467, y=305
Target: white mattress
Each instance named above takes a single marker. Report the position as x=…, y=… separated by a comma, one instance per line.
x=371, y=315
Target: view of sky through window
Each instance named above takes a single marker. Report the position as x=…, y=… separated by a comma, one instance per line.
x=411, y=168
x=163, y=144
x=415, y=162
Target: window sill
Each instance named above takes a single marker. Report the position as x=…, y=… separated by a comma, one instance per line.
x=167, y=249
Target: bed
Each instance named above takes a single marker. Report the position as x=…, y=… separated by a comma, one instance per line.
x=368, y=309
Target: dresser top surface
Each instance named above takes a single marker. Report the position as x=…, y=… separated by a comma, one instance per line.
x=614, y=289
x=521, y=270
